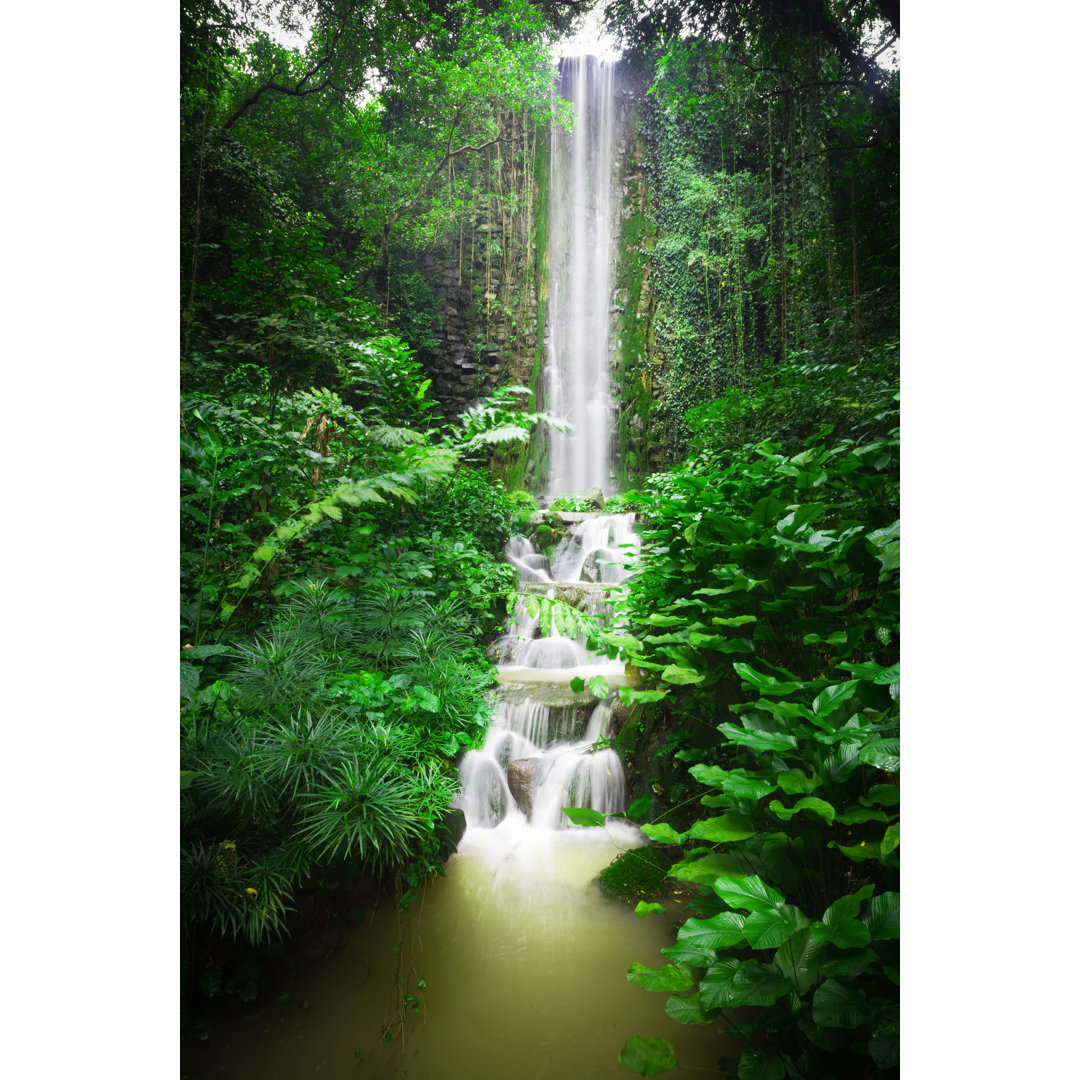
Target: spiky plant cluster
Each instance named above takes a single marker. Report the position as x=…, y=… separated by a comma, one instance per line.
x=330, y=740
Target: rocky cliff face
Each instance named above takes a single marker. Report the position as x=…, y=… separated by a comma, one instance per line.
x=485, y=275
x=490, y=281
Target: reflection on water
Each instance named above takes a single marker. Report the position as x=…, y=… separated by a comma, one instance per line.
x=523, y=965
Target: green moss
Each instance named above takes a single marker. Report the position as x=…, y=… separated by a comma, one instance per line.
x=632, y=375
x=523, y=500
x=635, y=875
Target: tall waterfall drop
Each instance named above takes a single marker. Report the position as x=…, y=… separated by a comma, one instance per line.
x=548, y=747
x=581, y=239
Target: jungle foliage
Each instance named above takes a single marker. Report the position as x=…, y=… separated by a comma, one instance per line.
x=773, y=173
x=765, y=611
x=341, y=539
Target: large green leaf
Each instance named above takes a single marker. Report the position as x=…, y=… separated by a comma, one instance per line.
x=845, y=934
x=796, y=782
x=723, y=931
x=716, y=988
x=647, y=1057
x=884, y=1045
x=209, y=438
x=583, y=815
x=662, y=833
x=681, y=676
x=669, y=977
x=598, y=686
x=885, y=754
x=747, y=892
x=189, y=681
x=625, y=642
x=789, y=710
x=628, y=695
x=743, y=785
x=685, y=1010
x=891, y=840
x=757, y=1065
x=837, y=1005
x=882, y=916
x=820, y=807
x=875, y=673
x=832, y=697
x=709, y=774
x=768, y=929
x=642, y=909
x=656, y=619
x=706, y=870
x=758, y=984
x=859, y=852
x=847, y=907
x=882, y=795
x=759, y=740
x=833, y=960
x=795, y=956
x=200, y=652
x=724, y=829
x=766, y=684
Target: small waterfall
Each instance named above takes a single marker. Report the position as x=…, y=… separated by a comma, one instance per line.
x=547, y=746
x=580, y=242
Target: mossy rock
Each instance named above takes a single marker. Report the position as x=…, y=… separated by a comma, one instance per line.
x=524, y=501
x=546, y=535
x=640, y=874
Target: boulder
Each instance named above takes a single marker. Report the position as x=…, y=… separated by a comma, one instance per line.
x=520, y=777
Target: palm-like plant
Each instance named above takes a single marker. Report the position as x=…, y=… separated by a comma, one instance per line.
x=276, y=670
x=296, y=755
x=371, y=810
x=323, y=614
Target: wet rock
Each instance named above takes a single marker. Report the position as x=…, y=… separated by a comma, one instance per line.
x=450, y=830
x=593, y=495
x=520, y=777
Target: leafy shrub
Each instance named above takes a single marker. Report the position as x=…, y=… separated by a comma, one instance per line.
x=814, y=390
x=574, y=504
x=766, y=608
x=470, y=504
x=628, y=502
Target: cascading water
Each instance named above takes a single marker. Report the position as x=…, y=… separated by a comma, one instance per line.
x=580, y=242
x=547, y=748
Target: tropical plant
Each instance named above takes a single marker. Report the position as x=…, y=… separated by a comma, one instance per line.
x=765, y=606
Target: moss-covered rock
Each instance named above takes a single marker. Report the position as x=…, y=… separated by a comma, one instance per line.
x=636, y=875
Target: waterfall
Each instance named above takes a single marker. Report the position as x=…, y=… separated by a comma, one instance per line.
x=547, y=745
x=580, y=243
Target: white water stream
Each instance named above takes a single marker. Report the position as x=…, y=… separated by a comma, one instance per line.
x=581, y=238
x=546, y=741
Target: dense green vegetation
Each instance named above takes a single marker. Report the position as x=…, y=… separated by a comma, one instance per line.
x=765, y=610
x=341, y=537
x=773, y=183
x=341, y=531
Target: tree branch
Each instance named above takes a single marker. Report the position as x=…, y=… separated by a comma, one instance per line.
x=293, y=91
